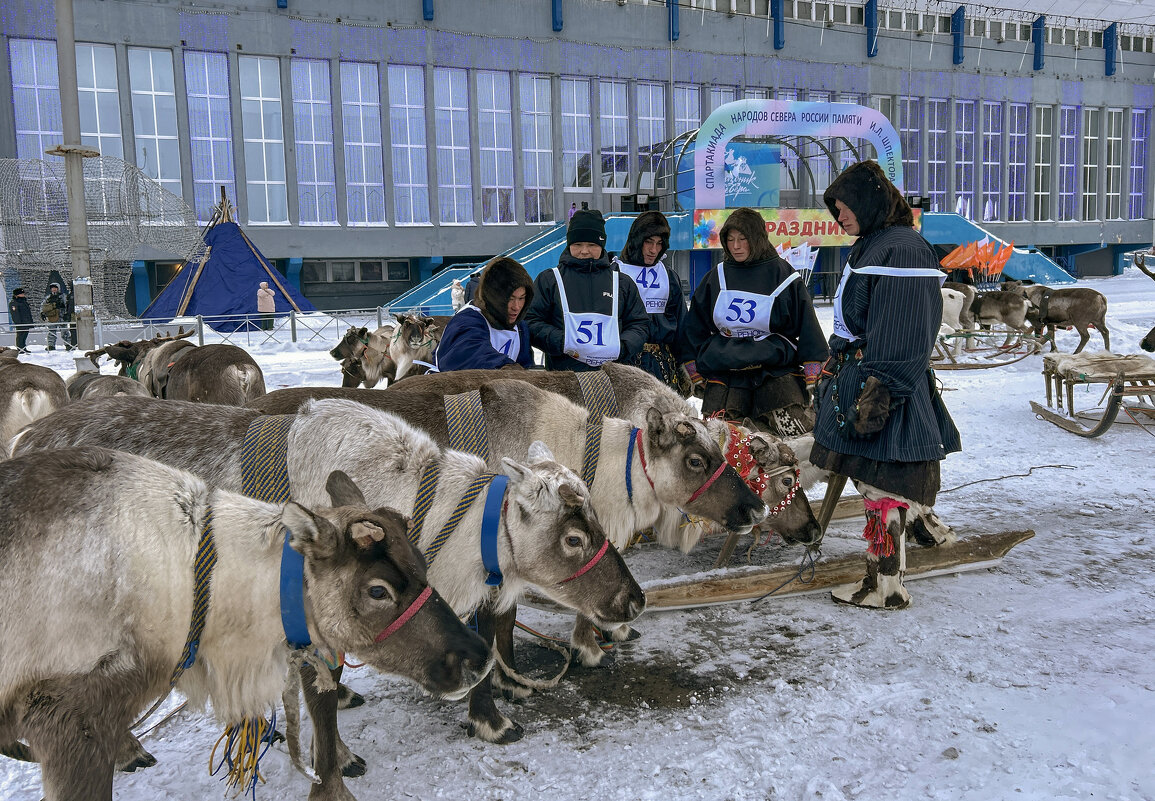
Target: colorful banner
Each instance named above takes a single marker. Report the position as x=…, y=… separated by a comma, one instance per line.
x=785, y=118
x=786, y=227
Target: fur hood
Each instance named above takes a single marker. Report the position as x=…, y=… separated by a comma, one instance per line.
x=500, y=278
x=875, y=201
x=750, y=224
x=647, y=224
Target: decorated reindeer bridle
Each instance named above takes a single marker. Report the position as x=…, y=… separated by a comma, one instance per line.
x=636, y=441
x=736, y=448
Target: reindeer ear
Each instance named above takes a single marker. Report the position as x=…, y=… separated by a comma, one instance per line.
x=309, y=535
x=786, y=455
x=343, y=491
x=539, y=452
x=760, y=450
x=654, y=422
x=365, y=533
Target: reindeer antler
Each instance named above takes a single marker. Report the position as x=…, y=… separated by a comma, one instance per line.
x=1141, y=262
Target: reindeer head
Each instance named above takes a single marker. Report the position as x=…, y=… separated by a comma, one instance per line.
x=352, y=345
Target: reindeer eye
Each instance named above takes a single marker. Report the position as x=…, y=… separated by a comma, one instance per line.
x=573, y=541
x=695, y=462
x=377, y=592
x=787, y=481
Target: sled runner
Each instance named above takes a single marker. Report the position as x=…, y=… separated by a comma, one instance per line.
x=1129, y=376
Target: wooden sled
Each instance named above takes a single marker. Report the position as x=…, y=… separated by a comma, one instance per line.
x=1129, y=376
x=973, y=553
x=944, y=358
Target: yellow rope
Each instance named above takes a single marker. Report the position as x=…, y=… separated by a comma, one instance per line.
x=245, y=744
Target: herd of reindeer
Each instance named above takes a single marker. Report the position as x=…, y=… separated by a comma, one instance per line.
x=168, y=499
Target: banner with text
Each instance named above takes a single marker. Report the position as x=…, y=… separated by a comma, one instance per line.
x=785, y=118
x=786, y=227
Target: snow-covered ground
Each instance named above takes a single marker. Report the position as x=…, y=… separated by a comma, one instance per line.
x=1033, y=680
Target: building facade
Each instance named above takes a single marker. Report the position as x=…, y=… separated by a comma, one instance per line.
x=366, y=143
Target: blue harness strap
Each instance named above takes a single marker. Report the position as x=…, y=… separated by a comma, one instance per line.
x=490, y=523
x=630, y=465
x=465, y=419
x=265, y=476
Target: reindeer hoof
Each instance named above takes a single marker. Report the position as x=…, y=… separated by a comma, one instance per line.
x=511, y=689
x=347, y=698
x=504, y=734
x=139, y=762
x=354, y=769
x=624, y=633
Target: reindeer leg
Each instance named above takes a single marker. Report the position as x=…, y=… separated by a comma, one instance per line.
x=1084, y=338
x=503, y=643
x=584, y=640
x=485, y=720
x=322, y=708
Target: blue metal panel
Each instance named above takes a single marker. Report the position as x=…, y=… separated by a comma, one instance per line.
x=557, y=18
x=1110, y=46
x=1039, y=37
x=282, y=3
x=958, y=21
x=871, y=19
x=140, y=283
x=672, y=5
x=294, y=271
x=779, y=24
x=427, y=10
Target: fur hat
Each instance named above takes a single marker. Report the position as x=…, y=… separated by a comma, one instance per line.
x=586, y=225
x=647, y=224
x=499, y=280
x=749, y=224
x=18, y=292
x=875, y=201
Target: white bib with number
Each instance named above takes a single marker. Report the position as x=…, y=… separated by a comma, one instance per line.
x=745, y=314
x=653, y=284
x=840, y=327
x=589, y=337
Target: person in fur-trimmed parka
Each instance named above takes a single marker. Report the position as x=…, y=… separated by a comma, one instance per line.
x=752, y=335
x=880, y=418
x=490, y=333
x=661, y=290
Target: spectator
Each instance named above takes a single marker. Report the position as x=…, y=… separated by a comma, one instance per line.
x=881, y=420
x=490, y=333
x=54, y=311
x=20, y=316
x=584, y=313
x=572, y=210
x=752, y=335
x=266, y=305
x=661, y=290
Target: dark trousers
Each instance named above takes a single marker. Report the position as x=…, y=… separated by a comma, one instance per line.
x=266, y=321
x=22, y=336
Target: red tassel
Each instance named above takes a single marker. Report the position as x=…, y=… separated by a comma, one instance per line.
x=876, y=534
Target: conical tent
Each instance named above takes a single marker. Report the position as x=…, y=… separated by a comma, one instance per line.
x=221, y=282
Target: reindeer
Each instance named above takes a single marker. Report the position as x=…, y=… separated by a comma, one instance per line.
x=364, y=356
x=1076, y=307
x=74, y=673
x=171, y=367
x=548, y=532
x=27, y=393
x=90, y=384
x=1004, y=307
x=1148, y=343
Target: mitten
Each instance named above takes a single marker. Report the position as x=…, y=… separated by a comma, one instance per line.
x=872, y=408
x=692, y=371
x=811, y=372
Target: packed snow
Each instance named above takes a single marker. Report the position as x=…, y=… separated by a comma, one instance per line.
x=1031, y=680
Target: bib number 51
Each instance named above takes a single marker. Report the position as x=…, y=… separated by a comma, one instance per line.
x=588, y=331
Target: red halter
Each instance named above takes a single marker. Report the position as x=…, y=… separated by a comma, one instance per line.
x=593, y=561
x=705, y=486
x=414, y=607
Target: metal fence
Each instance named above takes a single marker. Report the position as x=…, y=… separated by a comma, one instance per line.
x=320, y=328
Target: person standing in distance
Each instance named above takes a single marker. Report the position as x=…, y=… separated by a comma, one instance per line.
x=20, y=316
x=266, y=305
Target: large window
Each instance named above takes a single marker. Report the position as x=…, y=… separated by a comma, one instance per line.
x=910, y=122
x=687, y=109
x=936, y=144
x=495, y=143
x=536, y=147
x=264, y=136
x=1113, y=168
x=651, y=124
x=992, y=159
x=1091, y=136
x=1043, y=160
x=964, y=157
x=451, y=119
x=1018, y=115
x=615, y=130
x=1066, y=166
x=407, y=130
x=576, y=140
x=1137, y=165
x=313, y=131
x=719, y=96
x=755, y=93
x=99, y=99
x=361, y=123
x=35, y=96
x=150, y=76
x=206, y=77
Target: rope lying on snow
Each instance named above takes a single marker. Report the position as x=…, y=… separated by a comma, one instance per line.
x=1011, y=475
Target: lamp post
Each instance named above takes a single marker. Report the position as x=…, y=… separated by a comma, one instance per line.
x=74, y=153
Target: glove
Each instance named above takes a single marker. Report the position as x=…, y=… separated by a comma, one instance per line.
x=872, y=409
x=692, y=371
x=811, y=371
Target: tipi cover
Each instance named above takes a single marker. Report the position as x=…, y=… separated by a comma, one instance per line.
x=222, y=284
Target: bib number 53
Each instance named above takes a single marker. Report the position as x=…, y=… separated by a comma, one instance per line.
x=741, y=310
